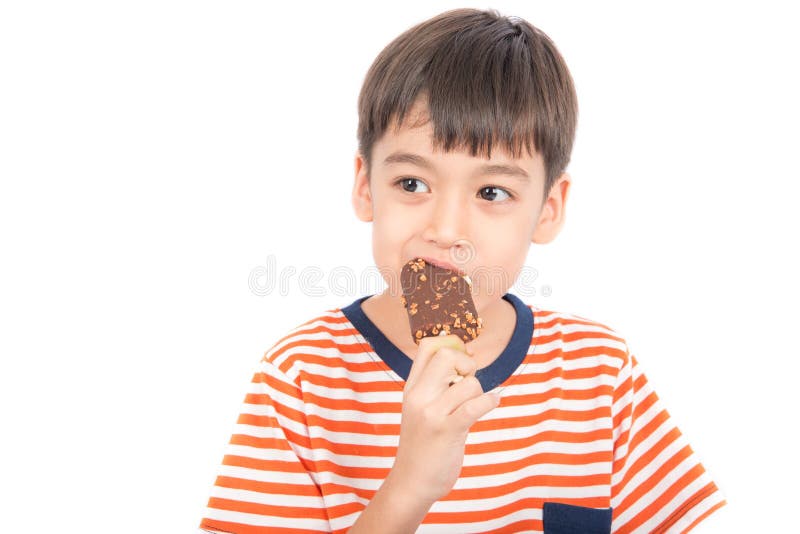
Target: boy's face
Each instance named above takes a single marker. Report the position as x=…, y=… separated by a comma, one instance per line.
x=452, y=208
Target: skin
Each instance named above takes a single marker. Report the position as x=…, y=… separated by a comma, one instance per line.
x=446, y=213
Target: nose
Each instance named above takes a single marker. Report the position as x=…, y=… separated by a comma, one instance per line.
x=447, y=221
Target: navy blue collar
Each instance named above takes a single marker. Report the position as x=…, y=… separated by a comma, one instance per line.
x=489, y=377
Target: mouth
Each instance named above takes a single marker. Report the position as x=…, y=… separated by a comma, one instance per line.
x=443, y=264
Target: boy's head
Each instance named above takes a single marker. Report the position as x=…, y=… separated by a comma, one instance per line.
x=443, y=107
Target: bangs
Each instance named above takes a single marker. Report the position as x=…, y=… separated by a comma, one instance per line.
x=486, y=82
x=474, y=108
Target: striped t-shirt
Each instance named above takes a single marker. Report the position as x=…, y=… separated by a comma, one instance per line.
x=578, y=441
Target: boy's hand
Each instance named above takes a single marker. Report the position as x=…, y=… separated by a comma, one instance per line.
x=436, y=418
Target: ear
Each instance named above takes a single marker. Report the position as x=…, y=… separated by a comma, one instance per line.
x=551, y=218
x=362, y=196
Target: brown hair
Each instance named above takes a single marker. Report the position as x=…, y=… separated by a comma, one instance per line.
x=485, y=77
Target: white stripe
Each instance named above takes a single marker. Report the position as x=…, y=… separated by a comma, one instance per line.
x=353, y=415
x=696, y=511
x=561, y=326
x=647, y=473
x=641, y=449
x=625, y=400
x=490, y=481
x=277, y=499
x=356, y=438
x=491, y=458
x=501, y=479
x=269, y=432
x=676, y=502
x=589, y=342
x=279, y=455
x=346, y=393
x=259, y=453
x=267, y=521
x=555, y=360
x=345, y=522
x=539, y=447
x=644, y=445
x=263, y=475
x=327, y=320
x=486, y=504
x=340, y=371
x=351, y=438
x=532, y=431
x=277, y=396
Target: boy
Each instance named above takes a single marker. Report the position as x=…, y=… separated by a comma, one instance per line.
x=466, y=125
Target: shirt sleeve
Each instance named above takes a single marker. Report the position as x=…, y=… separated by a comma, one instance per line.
x=658, y=485
x=266, y=482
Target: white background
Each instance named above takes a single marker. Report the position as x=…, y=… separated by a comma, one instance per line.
x=153, y=154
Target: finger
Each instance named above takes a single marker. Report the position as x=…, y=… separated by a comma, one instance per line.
x=441, y=371
x=448, y=361
x=472, y=410
x=427, y=348
x=458, y=394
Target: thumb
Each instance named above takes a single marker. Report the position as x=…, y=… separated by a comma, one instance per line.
x=472, y=410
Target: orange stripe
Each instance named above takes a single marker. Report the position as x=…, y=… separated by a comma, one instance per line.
x=393, y=429
x=623, y=389
x=501, y=511
x=519, y=526
x=272, y=488
x=664, y=498
x=267, y=509
x=704, y=515
x=510, y=400
x=263, y=465
x=260, y=443
x=652, y=481
x=277, y=385
x=327, y=361
x=350, y=404
x=561, y=481
x=645, y=432
x=478, y=494
x=567, y=374
x=241, y=528
x=537, y=459
x=332, y=319
x=356, y=387
x=559, y=393
x=645, y=404
x=684, y=481
x=471, y=448
x=642, y=464
x=575, y=354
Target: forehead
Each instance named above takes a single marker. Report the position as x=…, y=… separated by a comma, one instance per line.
x=415, y=136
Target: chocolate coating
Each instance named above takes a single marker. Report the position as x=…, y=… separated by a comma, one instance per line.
x=438, y=300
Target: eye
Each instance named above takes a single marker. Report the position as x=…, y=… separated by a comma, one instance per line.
x=491, y=192
x=411, y=185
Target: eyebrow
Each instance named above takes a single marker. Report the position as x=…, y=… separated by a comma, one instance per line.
x=491, y=168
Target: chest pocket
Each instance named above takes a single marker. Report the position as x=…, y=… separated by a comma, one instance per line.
x=561, y=518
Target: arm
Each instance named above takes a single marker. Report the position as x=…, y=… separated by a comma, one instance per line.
x=391, y=511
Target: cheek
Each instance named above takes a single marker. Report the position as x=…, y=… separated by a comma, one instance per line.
x=391, y=230
x=393, y=223
x=502, y=252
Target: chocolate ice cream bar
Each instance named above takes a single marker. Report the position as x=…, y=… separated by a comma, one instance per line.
x=438, y=302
